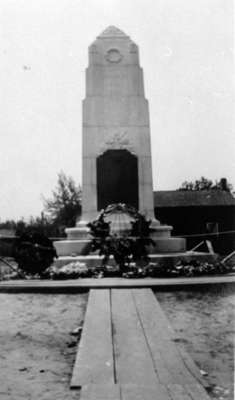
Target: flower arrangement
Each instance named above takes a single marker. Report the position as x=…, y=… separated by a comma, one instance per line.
x=130, y=245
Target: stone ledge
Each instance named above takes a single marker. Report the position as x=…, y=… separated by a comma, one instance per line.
x=163, y=245
x=78, y=285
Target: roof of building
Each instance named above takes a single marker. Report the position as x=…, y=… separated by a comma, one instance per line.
x=190, y=198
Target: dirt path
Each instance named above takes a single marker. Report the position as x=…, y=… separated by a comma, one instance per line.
x=204, y=321
x=37, y=350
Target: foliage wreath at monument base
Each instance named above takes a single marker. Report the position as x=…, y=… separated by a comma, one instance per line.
x=126, y=247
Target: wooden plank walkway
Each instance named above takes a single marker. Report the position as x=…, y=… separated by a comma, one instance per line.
x=94, y=362
x=105, y=283
x=129, y=351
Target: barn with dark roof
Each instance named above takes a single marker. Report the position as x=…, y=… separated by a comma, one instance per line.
x=195, y=213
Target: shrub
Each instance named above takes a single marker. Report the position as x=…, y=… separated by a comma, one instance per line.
x=34, y=253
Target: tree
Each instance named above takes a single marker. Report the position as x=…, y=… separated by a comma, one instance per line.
x=64, y=207
x=207, y=184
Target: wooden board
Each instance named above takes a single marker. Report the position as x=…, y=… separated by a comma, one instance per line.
x=169, y=364
x=178, y=392
x=196, y=391
x=133, y=362
x=192, y=367
x=134, y=392
x=129, y=351
x=166, y=331
x=100, y=392
x=138, y=392
x=76, y=285
x=94, y=362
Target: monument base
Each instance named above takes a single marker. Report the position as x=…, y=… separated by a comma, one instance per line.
x=164, y=245
x=78, y=241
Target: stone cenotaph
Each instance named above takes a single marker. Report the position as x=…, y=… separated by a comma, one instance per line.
x=116, y=149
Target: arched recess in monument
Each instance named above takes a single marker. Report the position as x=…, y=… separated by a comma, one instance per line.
x=117, y=178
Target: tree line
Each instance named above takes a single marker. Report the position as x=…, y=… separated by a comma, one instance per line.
x=64, y=206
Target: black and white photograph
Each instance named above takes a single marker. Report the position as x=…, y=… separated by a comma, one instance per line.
x=117, y=205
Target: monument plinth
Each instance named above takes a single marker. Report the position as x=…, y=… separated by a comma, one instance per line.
x=116, y=151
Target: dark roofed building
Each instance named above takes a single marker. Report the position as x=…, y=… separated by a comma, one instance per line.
x=199, y=212
x=193, y=198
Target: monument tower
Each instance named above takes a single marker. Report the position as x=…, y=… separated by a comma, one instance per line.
x=116, y=149
x=116, y=137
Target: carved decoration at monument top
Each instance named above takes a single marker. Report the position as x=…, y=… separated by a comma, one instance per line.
x=117, y=141
x=113, y=56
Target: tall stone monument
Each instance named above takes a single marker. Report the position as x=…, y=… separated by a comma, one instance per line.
x=116, y=150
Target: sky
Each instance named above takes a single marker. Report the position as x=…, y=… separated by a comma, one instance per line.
x=186, y=51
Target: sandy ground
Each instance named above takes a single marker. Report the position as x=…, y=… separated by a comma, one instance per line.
x=204, y=322
x=37, y=351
